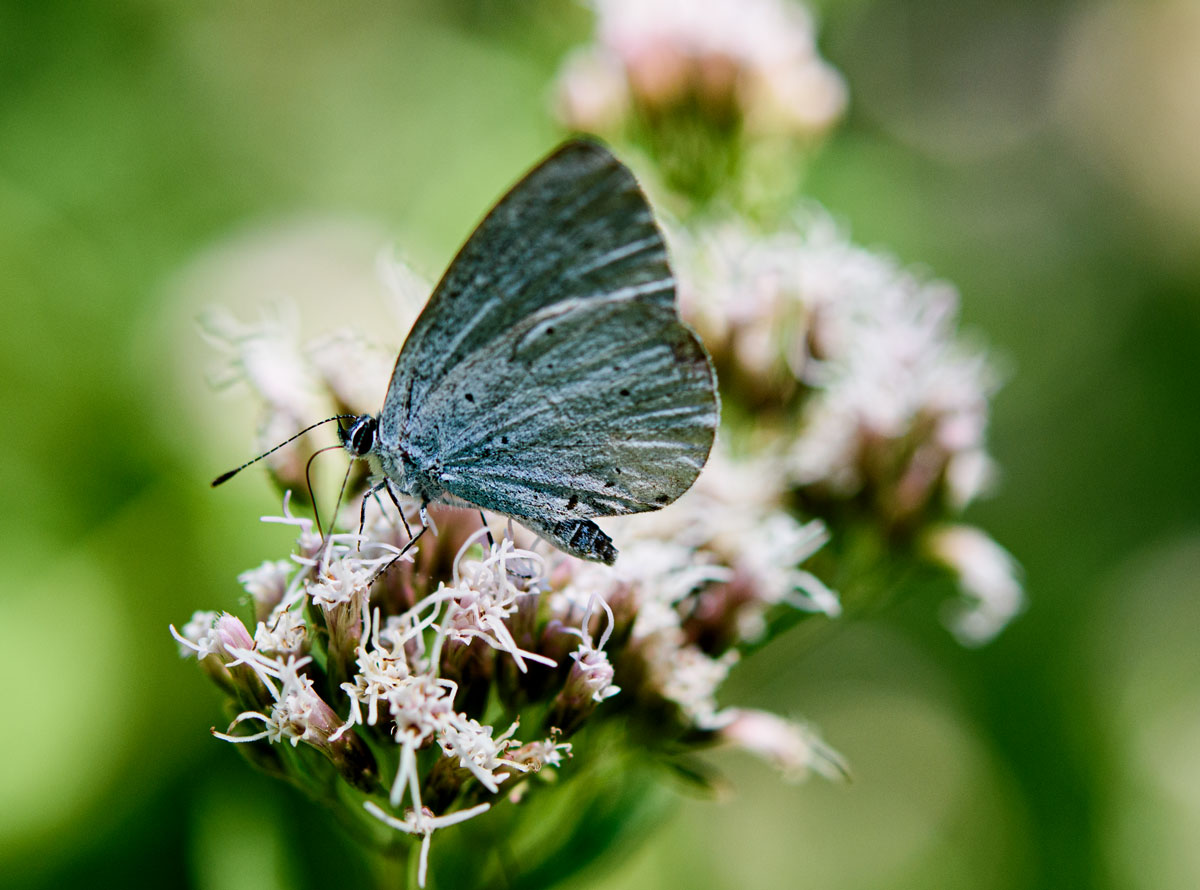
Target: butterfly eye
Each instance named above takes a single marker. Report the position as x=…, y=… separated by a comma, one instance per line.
x=360, y=438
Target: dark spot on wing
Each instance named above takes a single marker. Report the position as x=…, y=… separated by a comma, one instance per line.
x=572, y=501
x=549, y=331
x=469, y=397
x=683, y=348
x=662, y=499
x=624, y=392
x=504, y=440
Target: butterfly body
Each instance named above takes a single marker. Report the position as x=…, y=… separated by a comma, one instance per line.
x=549, y=377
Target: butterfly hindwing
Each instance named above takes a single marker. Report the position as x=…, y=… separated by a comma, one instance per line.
x=598, y=408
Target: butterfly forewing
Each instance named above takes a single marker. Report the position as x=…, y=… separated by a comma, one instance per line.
x=577, y=226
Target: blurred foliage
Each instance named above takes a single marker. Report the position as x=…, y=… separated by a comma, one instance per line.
x=988, y=141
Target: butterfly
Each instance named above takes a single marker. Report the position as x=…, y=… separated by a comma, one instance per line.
x=549, y=378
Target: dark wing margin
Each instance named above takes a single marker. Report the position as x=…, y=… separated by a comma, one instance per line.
x=576, y=227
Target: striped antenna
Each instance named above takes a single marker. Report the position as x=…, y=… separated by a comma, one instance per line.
x=225, y=477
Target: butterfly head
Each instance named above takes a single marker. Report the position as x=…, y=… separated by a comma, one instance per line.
x=359, y=438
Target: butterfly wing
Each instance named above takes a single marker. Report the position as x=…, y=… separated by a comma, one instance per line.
x=550, y=376
x=576, y=224
x=595, y=408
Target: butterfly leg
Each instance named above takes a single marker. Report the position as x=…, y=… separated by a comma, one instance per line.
x=387, y=483
x=362, y=511
x=483, y=519
x=426, y=525
x=426, y=522
x=403, y=550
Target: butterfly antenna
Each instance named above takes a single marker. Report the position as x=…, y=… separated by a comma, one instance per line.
x=225, y=477
x=341, y=493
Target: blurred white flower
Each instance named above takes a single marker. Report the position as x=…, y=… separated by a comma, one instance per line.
x=988, y=576
x=268, y=584
x=757, y=57
x=355, y=370
x=791, y=747
x=895, y=398
x=267, y=356
x=593, y=93
x=685, y=675
x=729, y=528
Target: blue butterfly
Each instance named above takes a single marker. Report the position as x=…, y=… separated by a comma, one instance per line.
x=549, y=377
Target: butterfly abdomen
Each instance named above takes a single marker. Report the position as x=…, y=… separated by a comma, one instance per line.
x=579, y=537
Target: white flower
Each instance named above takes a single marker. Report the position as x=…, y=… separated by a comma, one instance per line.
x=299, y=714
x=287, y=634
x=343, y=582
x=473, y=745
x=485, y=594
x=876, y=343
x=791, y=747
x=546, y=752
x=685, y=675
x=380, y=671
x=989, y=578
x=759, y=54
x=268, y=583
x=212, y=633
x=592, y=670
x=309, y=544
x=419, y=706
x=199, y=636
x=422, y=821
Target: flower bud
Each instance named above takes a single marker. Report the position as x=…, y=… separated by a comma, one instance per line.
x=589, y=682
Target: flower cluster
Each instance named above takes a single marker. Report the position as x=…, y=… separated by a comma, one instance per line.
x=877, y=408
x=416, y=681
x=443, y=677
x=673, y=73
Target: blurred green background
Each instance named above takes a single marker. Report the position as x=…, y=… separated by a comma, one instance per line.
x=1044, y=156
